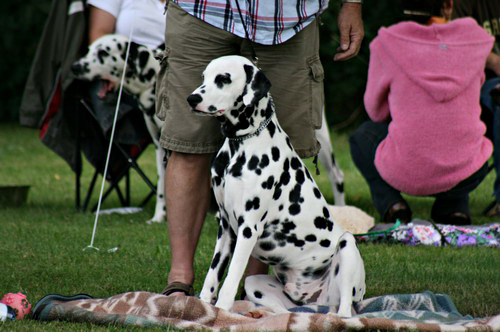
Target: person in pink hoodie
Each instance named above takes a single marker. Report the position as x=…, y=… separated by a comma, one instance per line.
x=425, y=137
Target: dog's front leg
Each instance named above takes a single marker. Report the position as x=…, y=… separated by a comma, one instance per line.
x=245, y=242
x=222, y=255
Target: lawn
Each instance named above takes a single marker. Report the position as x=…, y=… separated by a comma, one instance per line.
x=42, y=241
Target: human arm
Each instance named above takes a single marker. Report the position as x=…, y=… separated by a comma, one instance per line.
x=351, y=31
x=101, y=23
x=493, y=63
x=377, y=89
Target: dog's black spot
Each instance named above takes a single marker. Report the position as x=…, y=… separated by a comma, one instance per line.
x=264, y=216
x=215, y=260
x=264, y=161
x=221, y=80
x=224, y=223
x=280, y=207
x=277, y=194
x=264, y=234
x=353, y=291
x=234, y=146
x=222, y=268
x=257, y=294
x=241, y=220
x=322, y=223
x=212, y=108
x=294, y=209
x=249, y=73
x=342, y=244
x=317, y=193
x=287, y=226
x=324, y=243
x=308, y=174
x=253, y=163
x=235, y=113
x=247, y=232
x=275, y=152
x=274, y=260
x=320, y=272
x=252, y=204
x=267, y=246
x=295, y=163
x=102, y=55
x=326, y=213
x=286, y=165
x=238, y=166
x=299, y=176
x=269, y=183
x=288, y=143
x=311, y=238
x=337, y=269
x=271, y=127
x=220, y=163
x=294, y=196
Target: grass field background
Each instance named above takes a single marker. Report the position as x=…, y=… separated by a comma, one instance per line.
x=41, y=242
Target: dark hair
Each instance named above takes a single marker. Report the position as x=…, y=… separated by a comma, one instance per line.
x=422, y=10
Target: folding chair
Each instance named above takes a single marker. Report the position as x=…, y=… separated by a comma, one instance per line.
x=54, y=102
x=123, y=156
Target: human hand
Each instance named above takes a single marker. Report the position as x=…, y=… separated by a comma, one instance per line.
x=351, y=31
x=493, y=63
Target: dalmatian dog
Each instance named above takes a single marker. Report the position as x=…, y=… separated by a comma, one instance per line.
x=105, y=60
x=327, y=159
x=270, y=207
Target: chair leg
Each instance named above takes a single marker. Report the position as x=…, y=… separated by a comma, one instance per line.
x=90, y=190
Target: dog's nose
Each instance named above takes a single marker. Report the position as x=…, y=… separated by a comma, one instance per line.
x=76, y=68
x=194, y=100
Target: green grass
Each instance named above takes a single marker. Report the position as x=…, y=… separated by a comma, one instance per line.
x=41, y=242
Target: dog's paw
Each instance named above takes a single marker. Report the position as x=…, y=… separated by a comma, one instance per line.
x=155, y=221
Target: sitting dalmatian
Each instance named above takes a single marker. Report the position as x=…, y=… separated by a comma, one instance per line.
x=105, y=60
x=269, y=205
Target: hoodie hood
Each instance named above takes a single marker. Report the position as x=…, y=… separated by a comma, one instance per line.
x=430, y=55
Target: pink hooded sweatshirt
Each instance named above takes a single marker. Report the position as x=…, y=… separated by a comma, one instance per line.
x=426, y=80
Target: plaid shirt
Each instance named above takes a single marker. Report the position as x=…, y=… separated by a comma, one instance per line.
x=268, y=22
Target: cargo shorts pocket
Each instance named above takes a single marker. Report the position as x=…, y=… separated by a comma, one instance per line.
x=317, y=76
x=162, y=103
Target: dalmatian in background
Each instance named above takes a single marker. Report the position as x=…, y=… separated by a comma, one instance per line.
x=270, y=207
x=105, y=60
x=327, y=159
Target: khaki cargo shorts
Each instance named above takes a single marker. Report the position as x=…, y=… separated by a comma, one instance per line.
x=293, y=67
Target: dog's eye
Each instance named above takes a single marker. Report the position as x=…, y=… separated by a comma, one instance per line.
x=220, y=80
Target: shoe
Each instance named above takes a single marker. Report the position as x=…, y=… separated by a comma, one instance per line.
x=178, y=287
x=399, y=210
x=492, y=210
x=455, y=218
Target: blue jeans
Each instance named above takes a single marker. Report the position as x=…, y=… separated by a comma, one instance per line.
x=364, y=143
x=488, y=102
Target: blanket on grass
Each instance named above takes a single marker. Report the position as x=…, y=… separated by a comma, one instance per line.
x=422, y=232
x=423, y=312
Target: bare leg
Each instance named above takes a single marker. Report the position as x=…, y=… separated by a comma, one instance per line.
x=187, y=184
x=256, y=267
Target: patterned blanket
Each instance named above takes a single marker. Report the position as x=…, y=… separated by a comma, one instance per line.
x=422, y=232
x=423, y=312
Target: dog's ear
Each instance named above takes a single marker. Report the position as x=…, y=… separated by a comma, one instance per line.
x=257, y=86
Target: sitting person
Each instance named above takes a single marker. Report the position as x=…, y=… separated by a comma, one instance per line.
x=487, y=15
x=426, y=137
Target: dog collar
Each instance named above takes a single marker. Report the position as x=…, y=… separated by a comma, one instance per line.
x=262, y=126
